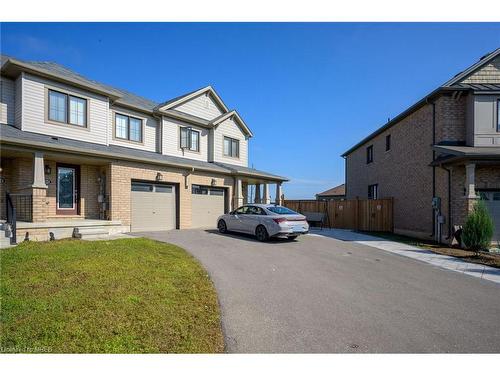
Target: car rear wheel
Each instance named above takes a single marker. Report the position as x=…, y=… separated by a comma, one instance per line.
x=261, y=233
x=222, y=226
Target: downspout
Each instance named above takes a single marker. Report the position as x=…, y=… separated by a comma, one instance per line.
x=449, y=201
x=433, y=167
x=345, y=175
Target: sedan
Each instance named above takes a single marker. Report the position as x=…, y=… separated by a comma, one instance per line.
x=264, y=221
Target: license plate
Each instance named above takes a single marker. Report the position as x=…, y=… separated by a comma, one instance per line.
x=298, y=229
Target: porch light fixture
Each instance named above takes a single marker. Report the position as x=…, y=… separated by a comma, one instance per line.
x=159, y=177
x=48, y=170
x=213, y=182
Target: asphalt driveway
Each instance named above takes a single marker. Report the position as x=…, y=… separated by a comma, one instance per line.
x=325, y=295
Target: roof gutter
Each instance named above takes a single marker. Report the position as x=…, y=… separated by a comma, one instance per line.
x=11, y=64
x=110, y=155
x=402, y=115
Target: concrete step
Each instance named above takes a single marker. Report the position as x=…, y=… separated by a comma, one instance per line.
x=4, y=241
x=88, y=233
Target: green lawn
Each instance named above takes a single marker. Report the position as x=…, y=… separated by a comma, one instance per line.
x=121, y=296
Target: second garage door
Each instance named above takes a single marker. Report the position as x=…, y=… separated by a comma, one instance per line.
x=152, y=207
x=207, y=204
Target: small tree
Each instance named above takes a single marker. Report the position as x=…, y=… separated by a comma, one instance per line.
x=478, y=229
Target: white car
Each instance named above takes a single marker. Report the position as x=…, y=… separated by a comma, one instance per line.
x=264, y=221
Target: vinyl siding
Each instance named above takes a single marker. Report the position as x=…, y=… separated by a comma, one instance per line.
x=149, y=127
x=202, y=107
x=170, y=139
x=230, y=129
x=490, y=73
x=485, y=120
x=34, y=97
x=7, y=101
x=18, y=102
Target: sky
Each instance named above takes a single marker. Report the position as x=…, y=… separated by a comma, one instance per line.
x=308, y=91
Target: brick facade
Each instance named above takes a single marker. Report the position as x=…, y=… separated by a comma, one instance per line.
x=405, y=173
x=18, y=174
x=122, y=173
x=402, y=173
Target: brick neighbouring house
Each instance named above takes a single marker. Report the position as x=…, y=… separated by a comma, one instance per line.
x=78, y=154
x=447, y=145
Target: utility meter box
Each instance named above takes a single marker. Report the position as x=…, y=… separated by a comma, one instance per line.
x=436, y=203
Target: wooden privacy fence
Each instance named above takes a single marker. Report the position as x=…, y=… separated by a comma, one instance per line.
x=358, y=214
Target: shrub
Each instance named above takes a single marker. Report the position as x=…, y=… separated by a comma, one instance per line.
x=478, y=228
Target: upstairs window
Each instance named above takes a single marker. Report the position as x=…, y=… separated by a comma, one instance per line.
x=128, y=128
x=373, y=191
x=388, y=142
x=190, y=139
x=231, y=147
x=67, y=109
x=369, y=154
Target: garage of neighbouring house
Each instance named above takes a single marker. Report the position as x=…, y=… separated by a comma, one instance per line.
x=153, y=206
x=207, y=203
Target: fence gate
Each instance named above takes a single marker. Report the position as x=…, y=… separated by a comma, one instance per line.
x=358, y=214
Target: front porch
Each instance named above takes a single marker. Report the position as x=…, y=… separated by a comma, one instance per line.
x=472, y=173
x=54, y=199
x=255, y=190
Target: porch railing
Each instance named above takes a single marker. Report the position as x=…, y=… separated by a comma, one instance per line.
x=23, y=204
x=11, y=218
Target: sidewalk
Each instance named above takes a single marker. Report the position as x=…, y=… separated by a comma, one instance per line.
x=438, y=260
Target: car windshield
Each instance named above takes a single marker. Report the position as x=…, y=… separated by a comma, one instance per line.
x=280, y=210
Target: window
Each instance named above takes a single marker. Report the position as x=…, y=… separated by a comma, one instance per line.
x=163, y=189
x=137, y=186
x=253, y=210
x=387, y=142
x=373, y=191
x=231, y=147
x=201, y=190
x=205, y=190
x=369, y=154
x=67, y=109
x=129, y=128
x=280, y=210
x=190, y=139
x=241, y=210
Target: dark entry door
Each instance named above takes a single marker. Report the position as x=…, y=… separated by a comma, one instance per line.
x=67, y=188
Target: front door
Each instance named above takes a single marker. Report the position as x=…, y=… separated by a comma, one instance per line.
x=67, y=187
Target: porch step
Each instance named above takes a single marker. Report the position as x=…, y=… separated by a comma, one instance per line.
x=89, y=233
x=4, y=240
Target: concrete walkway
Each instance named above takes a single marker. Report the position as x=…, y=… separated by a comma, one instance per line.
x=438, y=260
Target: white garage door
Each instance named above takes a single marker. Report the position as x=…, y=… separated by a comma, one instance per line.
x=152, y=207
x=491, y=199
x=207, y=204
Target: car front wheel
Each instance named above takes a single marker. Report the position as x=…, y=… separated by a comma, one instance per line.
x=261, y=233
x=222, y=226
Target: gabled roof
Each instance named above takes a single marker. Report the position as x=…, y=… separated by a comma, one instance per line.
x=232, y=114
x=451, y=85
x=335, y=191
x=187, y=97
x=462, y=75
x=12, y=67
